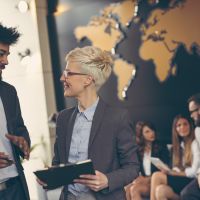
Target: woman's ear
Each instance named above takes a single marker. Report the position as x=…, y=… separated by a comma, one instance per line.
x=89, y=80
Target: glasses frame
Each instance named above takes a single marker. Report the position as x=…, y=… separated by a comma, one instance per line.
x=195, y=110
x=69, y=73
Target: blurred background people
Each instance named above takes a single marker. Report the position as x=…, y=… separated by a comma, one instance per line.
x=148, y=147
x=185, y=159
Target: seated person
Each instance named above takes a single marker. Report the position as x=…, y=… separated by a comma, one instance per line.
x=185, y=154
x=148, y=147
x=192, y=190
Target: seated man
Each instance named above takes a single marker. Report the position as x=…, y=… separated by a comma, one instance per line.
x=192, y=190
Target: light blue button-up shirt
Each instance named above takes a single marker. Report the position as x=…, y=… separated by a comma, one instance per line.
x=79, y=142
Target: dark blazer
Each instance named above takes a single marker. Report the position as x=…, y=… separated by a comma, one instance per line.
x=158, y=150
x=15, y=125
x=111, y=147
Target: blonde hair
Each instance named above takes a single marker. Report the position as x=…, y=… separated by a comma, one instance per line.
x=178, y=155
x=94, y=62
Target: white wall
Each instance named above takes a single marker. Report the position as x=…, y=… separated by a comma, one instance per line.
x=33, y=81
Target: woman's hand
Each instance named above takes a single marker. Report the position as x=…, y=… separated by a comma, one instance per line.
x=175, y=173
x=95, y=182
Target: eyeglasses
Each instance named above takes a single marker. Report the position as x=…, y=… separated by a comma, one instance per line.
x=68, y=73
x=195, y=110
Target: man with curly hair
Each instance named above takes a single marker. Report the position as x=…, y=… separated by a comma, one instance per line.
x=14, y=137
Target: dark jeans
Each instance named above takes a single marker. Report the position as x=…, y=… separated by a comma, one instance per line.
x=14, y=192
x=191, y=191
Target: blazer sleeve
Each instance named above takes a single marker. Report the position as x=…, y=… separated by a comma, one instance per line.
x=56, y=160
x=21, y=129
x=15, y=123
x=164, y=153
x=127, y=155
x=56, y=157
x=192, y=170
x=160, y=150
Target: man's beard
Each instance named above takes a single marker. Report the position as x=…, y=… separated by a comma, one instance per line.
x=197, y=122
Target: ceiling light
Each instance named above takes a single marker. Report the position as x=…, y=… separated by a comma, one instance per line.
x=23, y=6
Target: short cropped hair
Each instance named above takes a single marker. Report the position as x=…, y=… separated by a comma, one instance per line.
x=195, y=98
x=8, y=36
x=93, y=61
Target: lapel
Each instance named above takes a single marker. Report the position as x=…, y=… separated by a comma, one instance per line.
x=69, y=127
x=5, y=101
x=97, y=120
x=153, y=154
x=6, y=104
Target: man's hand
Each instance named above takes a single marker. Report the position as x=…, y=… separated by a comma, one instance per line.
x=94, y=182
x=21, y=143
x=4, y=160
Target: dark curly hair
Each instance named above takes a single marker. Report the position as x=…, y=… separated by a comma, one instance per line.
x=8, y=36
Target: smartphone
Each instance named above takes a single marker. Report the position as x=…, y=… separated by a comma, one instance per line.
x=10, y=161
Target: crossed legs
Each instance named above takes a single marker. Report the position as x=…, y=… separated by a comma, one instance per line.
x=138, y=189
x=159, y=188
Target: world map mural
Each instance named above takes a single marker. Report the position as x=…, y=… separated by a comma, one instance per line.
x=161, y=34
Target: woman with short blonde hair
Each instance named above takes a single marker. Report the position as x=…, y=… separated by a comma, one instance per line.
x=94, y=130
x=93, y=61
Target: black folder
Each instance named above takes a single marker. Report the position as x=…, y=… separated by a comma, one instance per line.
x=57, y=176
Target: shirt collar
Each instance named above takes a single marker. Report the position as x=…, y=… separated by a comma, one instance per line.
x=89, y=112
